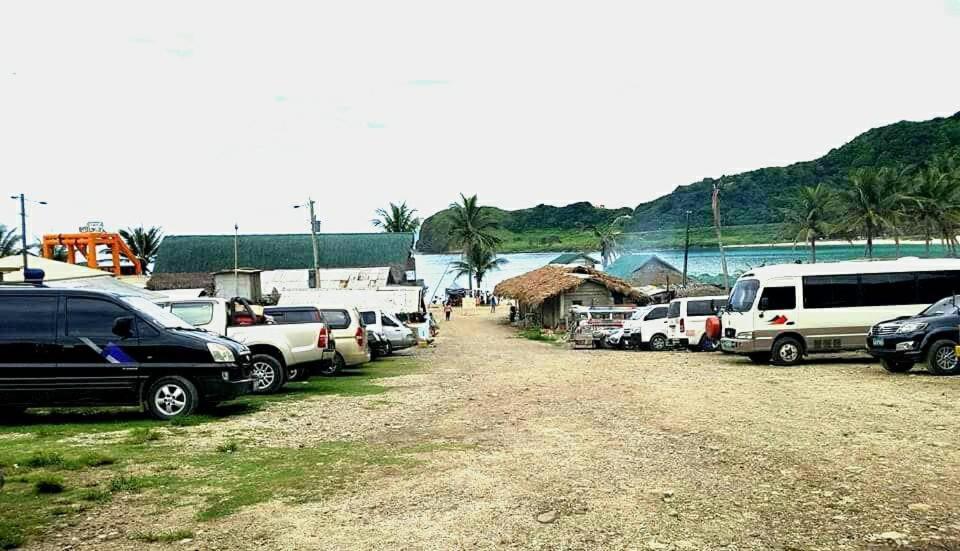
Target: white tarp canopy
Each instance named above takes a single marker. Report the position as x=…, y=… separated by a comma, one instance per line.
x=394, y=300
x=52, y=269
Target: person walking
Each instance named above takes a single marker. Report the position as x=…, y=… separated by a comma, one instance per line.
x=447, y=311
x=493, y=304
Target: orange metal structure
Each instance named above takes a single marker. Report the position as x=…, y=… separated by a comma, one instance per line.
x=86, y=244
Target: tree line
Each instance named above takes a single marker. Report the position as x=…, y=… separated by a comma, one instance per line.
x=899, y=202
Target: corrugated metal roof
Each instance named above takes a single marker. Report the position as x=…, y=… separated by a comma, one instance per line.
x=570, y=258
x=624, y=266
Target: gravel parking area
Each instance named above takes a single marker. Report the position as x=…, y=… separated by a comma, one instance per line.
x=535, y=446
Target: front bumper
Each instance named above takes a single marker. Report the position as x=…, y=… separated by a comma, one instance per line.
x=218, y=390
x=896, y=347
x=741, y=346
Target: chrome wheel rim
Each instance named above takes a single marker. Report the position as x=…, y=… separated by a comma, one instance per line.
x=263, y=375
x=946, y=358
x=789, y=352
x=170, y=399
x=658, y=343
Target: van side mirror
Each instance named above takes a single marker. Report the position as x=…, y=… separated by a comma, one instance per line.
x=123, y=326
x=764, y=304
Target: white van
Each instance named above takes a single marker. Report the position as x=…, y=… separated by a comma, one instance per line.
x=396, y=335
x=687, y=321
x=782, y=313
x=648, y=327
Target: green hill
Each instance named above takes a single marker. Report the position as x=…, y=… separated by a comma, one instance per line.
x=749, y=199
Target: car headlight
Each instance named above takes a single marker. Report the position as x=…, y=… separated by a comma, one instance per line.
x=220, y=352
x=911, y=327
x=747, y=335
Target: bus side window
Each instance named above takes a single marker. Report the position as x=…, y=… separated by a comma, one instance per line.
x=779, y=298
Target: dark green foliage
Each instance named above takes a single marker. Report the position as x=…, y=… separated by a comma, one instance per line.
x=44, y=459
x=11, y=536
x=48, y=484
x=211, y=253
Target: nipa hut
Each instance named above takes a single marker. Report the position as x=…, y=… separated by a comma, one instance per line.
x=550, y=291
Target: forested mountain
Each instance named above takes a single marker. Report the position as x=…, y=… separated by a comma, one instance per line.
x=753, y=197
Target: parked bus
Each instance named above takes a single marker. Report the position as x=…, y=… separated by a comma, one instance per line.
x=783, y=313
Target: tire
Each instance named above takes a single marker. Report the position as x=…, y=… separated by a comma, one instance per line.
x=171, y=397
x=787, y=351
x=708, y=344
x=942, y=358
x=895, y=366
x=268, y=374
x=335, y=366
x=658, y=343
x=761, y=358
x=388, y=349
x=296, y=373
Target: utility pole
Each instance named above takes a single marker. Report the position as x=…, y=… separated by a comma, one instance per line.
x=236, y=260
x=314, y=228
x=686, y=249
x=716, y=221
x=23, y=226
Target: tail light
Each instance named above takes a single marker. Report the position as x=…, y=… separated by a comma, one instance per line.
x=323, y=341
x=360, y=336
x=683, y=326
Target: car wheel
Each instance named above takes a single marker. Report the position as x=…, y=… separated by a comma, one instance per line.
x=894, y=366
x=268, y=374
x=295, y=373
x=334, y=367
x=170, y=397
x=787, y=351
x=942, y=358
x=760, y=358
x=658, y=343
x=388, y=349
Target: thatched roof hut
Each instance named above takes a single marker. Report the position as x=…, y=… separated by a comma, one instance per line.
x=551, y=290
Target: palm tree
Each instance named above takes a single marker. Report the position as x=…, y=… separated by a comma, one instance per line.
x=865, y=206
x=10, y=242
x=472, y=227
x=398, y=219
x=144, y=243
x=806, y=219
x=608, y=239
x=476, y=263
x=897, y=205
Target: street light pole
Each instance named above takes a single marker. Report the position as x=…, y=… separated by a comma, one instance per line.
x=686, y=249
x=23, y=225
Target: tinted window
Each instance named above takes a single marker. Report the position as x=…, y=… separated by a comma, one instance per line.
x=934, y=286
x=28, y=317
x=336, y=319
x=831, y=291
x=194, y=313
x=388, y=322
x=657, y=314
x=702, y=307
x=369, y=318
x=888, y=289
x=674, y=311
x=780, y=298
x=947, y=306
x=87, y=317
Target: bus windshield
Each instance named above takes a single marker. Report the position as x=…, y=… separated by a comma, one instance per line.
x=743, y=295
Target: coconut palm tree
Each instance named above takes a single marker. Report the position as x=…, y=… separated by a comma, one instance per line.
x=476, y=263
x=807, y=219
x=10, y=242
x=144, y=242
x=472, y=227
x=897, y=204
x=865, y=206
x=397, y=219
x=608, y=239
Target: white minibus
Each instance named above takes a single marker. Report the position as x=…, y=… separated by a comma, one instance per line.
x=782, y=313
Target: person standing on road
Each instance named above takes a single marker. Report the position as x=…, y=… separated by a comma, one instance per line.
x=493, y=304
x=447, y=311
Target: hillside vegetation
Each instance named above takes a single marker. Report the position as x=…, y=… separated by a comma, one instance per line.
x=750, y=199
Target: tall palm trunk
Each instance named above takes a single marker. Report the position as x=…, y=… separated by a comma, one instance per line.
x=813, y=250
x=716, y=222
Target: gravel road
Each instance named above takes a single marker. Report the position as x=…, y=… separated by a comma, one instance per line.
x=535, y=446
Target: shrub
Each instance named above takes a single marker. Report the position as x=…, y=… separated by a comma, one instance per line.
x=95, y=495
x=11, y=537
x=48, y=485
x=230, y=446
x=44, y=459
x=124, y=483
x=96, y=460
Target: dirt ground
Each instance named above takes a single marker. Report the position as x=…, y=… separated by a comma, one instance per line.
x=535, y=446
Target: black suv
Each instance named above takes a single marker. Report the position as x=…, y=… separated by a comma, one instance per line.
x=930, y=337
x=71, y=347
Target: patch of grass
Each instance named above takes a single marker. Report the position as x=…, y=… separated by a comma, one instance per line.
x=142, y=436
x=48, y=484
x=95, y=460
x=43, y=459
x=230, y=446
x=11, y=536
x=190, y=420
x=537, y=334
x=162, y=537
x=125, y=483
x=95, y=495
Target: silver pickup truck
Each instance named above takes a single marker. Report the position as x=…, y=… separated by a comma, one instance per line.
x=280, y=352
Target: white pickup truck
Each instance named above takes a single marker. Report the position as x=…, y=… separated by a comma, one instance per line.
x=280, y=352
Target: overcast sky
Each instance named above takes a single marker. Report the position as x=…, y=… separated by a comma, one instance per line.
x=195, y=115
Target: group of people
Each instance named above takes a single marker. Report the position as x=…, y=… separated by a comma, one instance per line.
x=481, y=298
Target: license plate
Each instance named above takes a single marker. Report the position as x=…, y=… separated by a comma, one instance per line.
x=877, y=341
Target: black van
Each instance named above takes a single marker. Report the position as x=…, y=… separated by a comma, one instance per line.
x=71, y=347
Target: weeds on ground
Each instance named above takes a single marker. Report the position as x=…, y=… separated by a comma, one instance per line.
x=537, y=334
x=142, y=436
x=231, y=446
x=162, y=537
